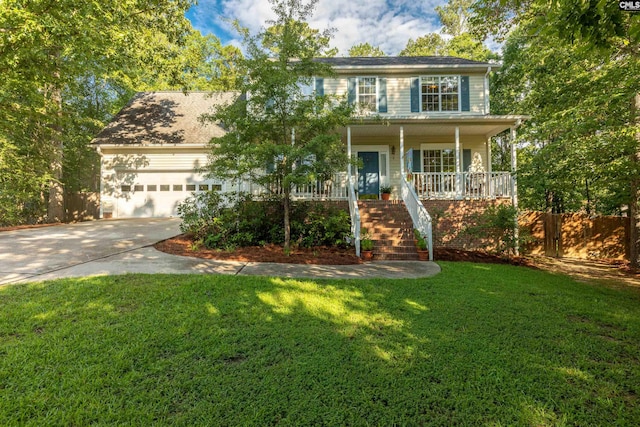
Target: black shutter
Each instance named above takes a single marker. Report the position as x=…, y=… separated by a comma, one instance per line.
x=382, y=95
x=351, y=90
x=415, y=94
x=464, y=94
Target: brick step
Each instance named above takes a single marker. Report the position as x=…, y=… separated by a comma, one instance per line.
x=395, y=257
x=391, y=250
x=394, y=242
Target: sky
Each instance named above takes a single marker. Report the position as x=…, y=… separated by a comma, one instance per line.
x=388, y=24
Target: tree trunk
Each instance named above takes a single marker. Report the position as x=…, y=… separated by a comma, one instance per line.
x=55, y=208
x=634, y=204
x=286, y=204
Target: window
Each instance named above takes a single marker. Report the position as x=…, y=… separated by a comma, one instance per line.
x=203, y=187
x=440, y=93
x=138, y=187
x=125, y=188
x=367, y=94
x=177, y=187
x=165, y=187
x=191, y=187
x=152, y=187
x=435, y=161
x=216, y=187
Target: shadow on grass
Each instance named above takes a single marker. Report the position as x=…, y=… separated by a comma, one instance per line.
x=476, y=345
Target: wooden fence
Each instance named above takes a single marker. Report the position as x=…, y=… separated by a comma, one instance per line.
x=577, y=235
x=82, y=206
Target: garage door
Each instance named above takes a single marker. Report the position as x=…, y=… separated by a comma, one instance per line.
x=152, y=194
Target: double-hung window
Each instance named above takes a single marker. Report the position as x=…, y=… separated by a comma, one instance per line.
x=436, y=161
x=440, y=93
x=367, y=94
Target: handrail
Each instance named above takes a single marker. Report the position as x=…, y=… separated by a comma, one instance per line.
x=471, y=185
x=419, y=215
x=355, y=215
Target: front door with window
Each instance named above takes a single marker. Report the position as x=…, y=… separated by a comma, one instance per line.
x=369, y=173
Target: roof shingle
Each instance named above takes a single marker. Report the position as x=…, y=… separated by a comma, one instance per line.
x=153, y=118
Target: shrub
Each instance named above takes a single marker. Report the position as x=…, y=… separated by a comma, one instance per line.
x=498, y=225
x=239, y=220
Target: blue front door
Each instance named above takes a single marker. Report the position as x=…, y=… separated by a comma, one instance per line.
x=369, y=173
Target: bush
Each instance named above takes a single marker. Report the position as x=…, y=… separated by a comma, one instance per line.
x=498, y=224
x=228, y=222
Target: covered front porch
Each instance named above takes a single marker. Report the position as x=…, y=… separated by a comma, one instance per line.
x=442, y=158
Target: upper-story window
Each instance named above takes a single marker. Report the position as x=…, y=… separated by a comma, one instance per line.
x=440, y=93
x=367, y=94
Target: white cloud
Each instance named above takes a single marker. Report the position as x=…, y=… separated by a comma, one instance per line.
x=385, y=23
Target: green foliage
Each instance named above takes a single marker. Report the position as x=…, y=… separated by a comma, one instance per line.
x=498, y=224
x=421, y=242
x=579, y=142
x=365, y=50
x=199, y=212
x=428, y=45
x=454, y=16
x=463, y=46
x=68, y=66
x=366, y=244
x=229, y=221
x=477, y=344
x=386, y=189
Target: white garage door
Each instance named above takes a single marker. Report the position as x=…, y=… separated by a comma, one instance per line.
x=152, y=194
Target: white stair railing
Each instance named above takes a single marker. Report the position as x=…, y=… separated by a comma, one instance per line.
x=355, y=215
x=419, y=215
x=470, y=185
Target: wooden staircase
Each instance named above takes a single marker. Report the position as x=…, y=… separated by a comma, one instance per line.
x=390, y=227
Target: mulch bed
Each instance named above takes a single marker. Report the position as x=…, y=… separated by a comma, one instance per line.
x=182, y=245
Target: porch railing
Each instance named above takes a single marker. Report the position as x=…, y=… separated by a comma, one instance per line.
x=355, y=215
x=419, y=215
x=336, y=188
x=465, y=185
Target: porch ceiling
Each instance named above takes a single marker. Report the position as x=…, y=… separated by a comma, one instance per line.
x=485, y=126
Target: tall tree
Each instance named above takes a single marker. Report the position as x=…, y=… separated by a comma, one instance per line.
x=454, y=16
x=365, y=49
x=610, y=36
x=48, y=48
x=281, y=133
x=428, y=45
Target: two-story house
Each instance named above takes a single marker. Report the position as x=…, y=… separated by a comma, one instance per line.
x=423, y=127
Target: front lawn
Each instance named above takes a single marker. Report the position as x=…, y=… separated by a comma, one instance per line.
x=476, y=345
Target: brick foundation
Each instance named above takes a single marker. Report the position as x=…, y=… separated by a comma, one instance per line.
x=450, y=217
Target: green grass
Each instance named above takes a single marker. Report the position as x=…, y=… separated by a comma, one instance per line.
x=476, y=345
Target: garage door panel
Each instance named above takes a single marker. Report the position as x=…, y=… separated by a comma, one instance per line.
x=152, y=194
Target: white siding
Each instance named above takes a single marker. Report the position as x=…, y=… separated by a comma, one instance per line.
x=399, y=92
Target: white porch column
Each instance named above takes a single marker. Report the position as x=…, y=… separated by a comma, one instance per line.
x=489, y=191
x=458, y=167
x=514, y=185
x=514, y=167
x=349, y=152
x=401, y=151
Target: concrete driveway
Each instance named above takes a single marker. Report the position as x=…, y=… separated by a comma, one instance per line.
x=125, y=246
x=36, y=252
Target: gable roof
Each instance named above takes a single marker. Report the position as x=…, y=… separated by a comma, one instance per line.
x=158, y=118
x=406, y=62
